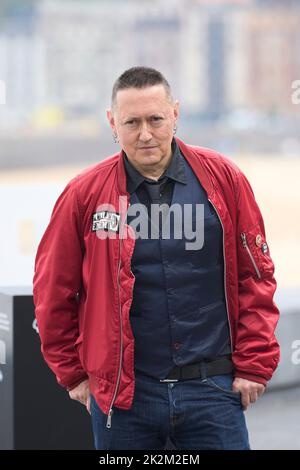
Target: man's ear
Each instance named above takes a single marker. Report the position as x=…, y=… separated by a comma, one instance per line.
x=110, y=118
x=176, y=109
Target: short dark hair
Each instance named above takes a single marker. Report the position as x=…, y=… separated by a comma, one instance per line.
x=140, y=77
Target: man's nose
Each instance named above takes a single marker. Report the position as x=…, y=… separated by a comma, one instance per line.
x=145, y=133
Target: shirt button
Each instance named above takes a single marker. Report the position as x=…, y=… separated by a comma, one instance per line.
x=177, y=345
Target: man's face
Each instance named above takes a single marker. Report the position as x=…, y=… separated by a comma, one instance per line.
x=143, y=120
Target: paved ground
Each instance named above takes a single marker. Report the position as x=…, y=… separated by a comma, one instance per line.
x=274, y=420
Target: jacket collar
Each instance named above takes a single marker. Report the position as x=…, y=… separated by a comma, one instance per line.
x=192, y=155
x=174, y=171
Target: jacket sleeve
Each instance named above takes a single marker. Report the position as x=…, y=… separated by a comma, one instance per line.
x=256, y=353
x=56, y=285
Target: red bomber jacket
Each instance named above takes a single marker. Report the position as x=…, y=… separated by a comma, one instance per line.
x=83, y=283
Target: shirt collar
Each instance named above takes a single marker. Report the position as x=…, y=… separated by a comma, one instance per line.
x=174, y=171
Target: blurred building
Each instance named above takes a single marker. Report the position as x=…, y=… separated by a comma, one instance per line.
x=62, y=57
x=89, y=44
x=156, y=40
x=22, y=68
x=86, y=44
x=262, y=59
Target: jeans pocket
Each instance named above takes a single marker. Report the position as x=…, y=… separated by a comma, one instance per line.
x=223, y=383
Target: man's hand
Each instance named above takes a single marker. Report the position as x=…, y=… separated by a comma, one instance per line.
x=82, y=393
x=250, y=391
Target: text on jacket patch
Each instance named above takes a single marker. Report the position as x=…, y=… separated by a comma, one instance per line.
x=105, y=220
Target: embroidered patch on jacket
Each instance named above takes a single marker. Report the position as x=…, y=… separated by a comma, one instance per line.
x=105, y=220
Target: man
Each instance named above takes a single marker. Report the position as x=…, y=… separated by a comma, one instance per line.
x=156, y=336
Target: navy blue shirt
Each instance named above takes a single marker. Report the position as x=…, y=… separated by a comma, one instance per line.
x=178, y=313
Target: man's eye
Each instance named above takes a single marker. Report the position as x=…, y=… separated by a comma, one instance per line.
x=132, y=121
x=156, y=120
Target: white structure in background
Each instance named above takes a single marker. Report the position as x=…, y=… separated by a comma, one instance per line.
x=262, y=59
x=193, y=69
x=2, y=92
x=2, y=353
x=22, y=67
x=236, y=70
x=26, y=213
x=156, y=39
x=87, y=46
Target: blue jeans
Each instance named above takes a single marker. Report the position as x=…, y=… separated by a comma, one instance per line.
x=193, y=414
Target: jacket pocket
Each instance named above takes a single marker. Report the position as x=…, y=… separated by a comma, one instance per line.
x=258, y=254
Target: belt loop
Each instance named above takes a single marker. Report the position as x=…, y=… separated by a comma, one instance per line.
x=203, y=371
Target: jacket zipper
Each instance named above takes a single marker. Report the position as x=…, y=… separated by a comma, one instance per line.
x=245, y=245
x=230, y=332
x=110, y=412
